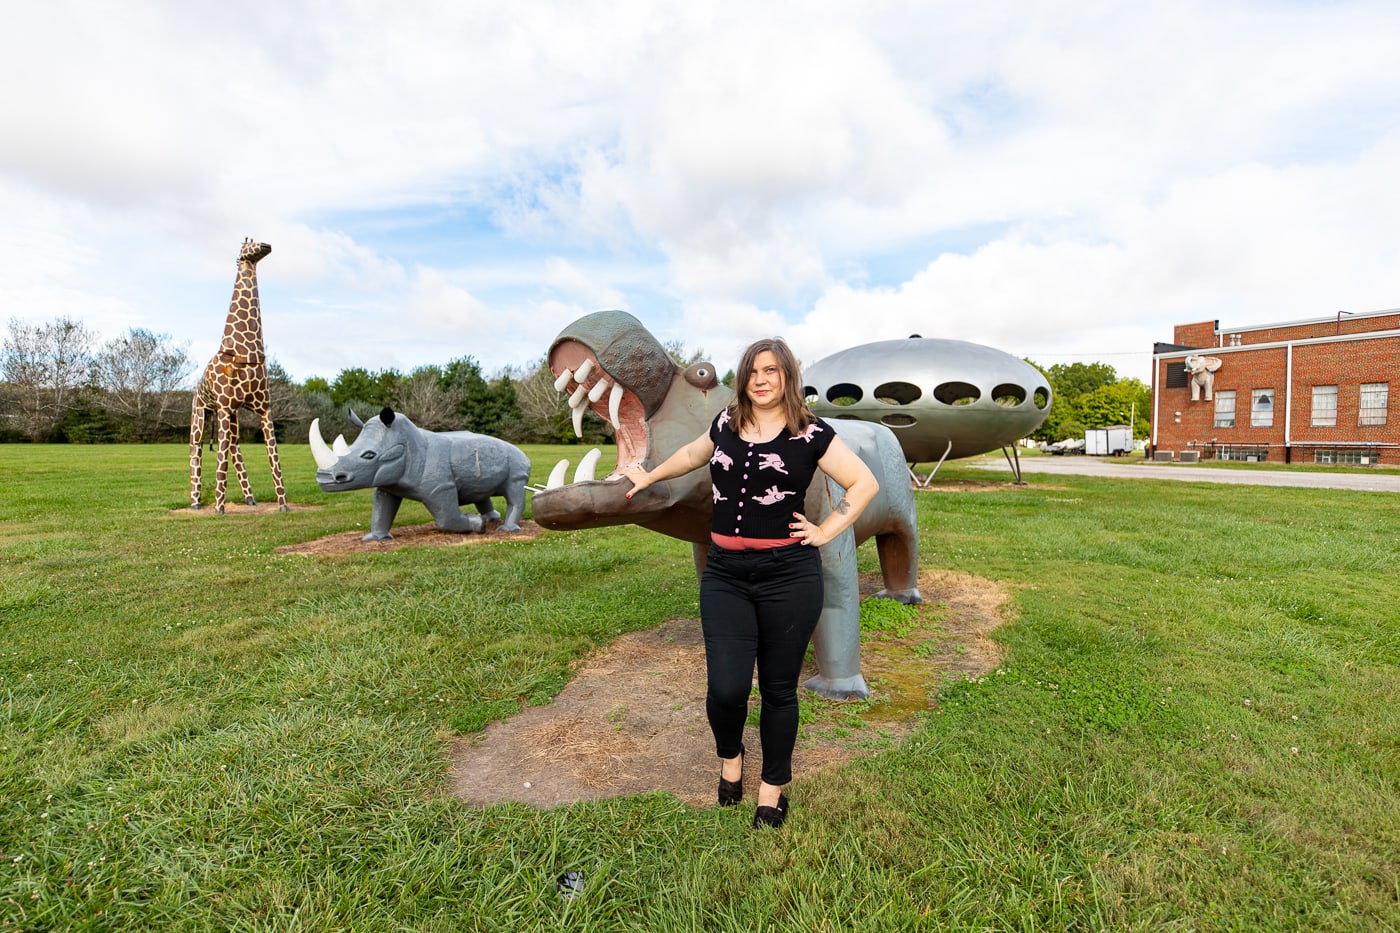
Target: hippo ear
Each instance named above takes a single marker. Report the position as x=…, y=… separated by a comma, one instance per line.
x=386, y=417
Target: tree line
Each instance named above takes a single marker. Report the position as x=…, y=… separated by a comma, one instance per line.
x=60, y=383
x=1091, y=395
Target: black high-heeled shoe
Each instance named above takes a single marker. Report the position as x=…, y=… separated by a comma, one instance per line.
x=771, y=816
x=731, y=792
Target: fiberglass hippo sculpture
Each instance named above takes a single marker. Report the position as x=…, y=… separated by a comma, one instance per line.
x=656, y=407
x=443, y=470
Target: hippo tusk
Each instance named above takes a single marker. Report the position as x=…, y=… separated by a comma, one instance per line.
x=556, y=476
x=587, y=466
x=598, y=389
x=614, y=402
x=579, y=397
x=563, y=380
x=578, y=421
x=339, y=447
x=324, y=458
x=582, y=372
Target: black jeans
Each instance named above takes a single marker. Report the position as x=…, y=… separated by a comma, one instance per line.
x=758, y=606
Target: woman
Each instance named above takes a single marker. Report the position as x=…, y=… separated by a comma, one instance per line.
x=761, y=594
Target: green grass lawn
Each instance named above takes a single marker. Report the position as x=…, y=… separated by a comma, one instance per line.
x=1196, y=725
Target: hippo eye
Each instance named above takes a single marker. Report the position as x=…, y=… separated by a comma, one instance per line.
x=367, y=455
x=701, y=375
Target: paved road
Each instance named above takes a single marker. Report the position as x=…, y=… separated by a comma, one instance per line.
x=1128, y=469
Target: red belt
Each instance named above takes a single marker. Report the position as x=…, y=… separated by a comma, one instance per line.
x=739, y=543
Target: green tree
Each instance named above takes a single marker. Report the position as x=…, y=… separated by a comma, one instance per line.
x=1071, y=380
x=360, y=385
x=1068, y=383
x=1116, y=404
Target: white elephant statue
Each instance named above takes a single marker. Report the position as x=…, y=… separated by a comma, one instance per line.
x=1202, y=369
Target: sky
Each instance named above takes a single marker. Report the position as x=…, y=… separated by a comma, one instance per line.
x=1064, y=181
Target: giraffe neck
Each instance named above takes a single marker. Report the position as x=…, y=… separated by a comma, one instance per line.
x=243, y=337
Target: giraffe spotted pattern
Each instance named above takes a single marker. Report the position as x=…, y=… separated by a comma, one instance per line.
x=236, y=378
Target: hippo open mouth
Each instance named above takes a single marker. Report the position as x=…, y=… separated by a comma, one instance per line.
x=608, y=363
x=591, y=387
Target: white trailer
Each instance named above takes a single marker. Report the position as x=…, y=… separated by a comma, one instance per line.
x=1115, y=440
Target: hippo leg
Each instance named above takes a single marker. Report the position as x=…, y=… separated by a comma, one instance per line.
x=899, y=563
x=487, y=509
x=381, y=515
x=836, y=642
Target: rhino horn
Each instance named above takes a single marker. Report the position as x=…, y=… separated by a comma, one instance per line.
x=325, y=459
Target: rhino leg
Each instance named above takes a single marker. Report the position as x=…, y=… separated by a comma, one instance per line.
x=899, y=563
x=381, y=515
x=515, y=505
x=487, y=508
x=836, y=642
x=449, y=516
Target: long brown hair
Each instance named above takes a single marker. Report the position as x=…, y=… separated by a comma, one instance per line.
x=795, y=409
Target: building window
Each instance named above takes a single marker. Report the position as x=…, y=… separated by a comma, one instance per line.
x=1225, y=408
x=1375, y=399
x=1357, y=456
x=1324, y=412
x=1261, y=408
x=1243, y=454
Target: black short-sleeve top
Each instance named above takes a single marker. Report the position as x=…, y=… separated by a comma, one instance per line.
x=757, y=487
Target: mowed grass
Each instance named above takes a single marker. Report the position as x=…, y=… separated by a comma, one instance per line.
x=1195, y=726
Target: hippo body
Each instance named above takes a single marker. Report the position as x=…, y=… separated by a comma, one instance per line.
x=657, y=407
x=442, y=470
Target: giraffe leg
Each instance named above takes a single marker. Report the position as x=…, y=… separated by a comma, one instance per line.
x=221, y=472
x=236, y=453
x=270, y=435
x=196, y=437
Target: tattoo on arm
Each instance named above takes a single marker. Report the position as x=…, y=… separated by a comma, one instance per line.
x=843, y=506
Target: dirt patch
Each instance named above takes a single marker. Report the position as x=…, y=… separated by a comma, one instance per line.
x=239, y=508
x=427, y=534
x=632, y=719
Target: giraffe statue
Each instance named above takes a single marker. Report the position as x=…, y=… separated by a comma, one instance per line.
x=236, y=378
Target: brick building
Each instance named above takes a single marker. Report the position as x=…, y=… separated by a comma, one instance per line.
x=1315, y=391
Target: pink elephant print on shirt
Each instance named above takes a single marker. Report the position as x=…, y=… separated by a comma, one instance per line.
x=771, y=462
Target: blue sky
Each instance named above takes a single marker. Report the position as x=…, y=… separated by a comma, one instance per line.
x=1060, y=180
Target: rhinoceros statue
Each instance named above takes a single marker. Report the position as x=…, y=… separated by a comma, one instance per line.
x=608, y=363
x=443, y=470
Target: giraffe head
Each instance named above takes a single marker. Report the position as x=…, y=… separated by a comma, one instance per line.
x=252, y=251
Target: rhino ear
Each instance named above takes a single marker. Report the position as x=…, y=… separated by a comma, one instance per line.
x=386, y=417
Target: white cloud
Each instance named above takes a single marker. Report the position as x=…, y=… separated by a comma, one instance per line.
x=436, y=181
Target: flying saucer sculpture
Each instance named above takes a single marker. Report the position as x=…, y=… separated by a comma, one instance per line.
x=941, y=398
